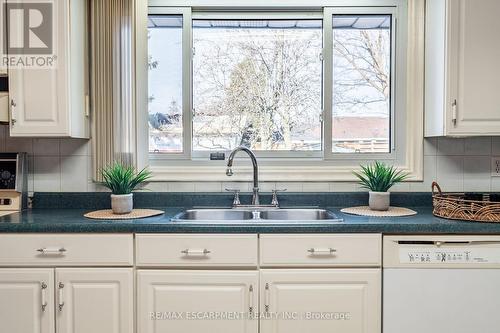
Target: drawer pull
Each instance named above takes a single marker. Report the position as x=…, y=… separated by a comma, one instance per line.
x=52, y=250
x=192, y=252
x=43, y=286
x=323, y=251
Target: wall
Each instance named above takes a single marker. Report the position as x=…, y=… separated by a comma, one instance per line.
x=57, y=165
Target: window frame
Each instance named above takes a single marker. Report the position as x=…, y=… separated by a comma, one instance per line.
x=406, y=143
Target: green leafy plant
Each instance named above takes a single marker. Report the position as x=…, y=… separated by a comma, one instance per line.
x=379, y=177
x=123, y=179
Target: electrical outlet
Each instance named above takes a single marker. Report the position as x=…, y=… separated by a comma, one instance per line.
x=495, y=166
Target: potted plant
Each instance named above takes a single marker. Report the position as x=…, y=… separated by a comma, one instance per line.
x=378, y=178
x=122, y=180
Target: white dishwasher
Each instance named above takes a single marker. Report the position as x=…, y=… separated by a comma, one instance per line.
x=434, y=284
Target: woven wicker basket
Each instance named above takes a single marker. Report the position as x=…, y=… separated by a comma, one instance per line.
x=455, y=206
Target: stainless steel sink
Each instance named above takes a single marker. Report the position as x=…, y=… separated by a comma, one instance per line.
x=299, y=215
x=256, y=216
x=213, y=215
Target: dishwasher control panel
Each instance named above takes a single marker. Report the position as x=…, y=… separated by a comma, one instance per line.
x=449, y=255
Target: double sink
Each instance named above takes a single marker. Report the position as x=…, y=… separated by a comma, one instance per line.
x=256, y=212
x=257, y=215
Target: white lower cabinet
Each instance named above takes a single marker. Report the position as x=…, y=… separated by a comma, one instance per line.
x=75, y=300
x=27, y=300
x=94, y=300
x=197, y=301
x=320, y=300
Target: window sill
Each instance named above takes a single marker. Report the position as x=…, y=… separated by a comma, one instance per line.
x=291, y=173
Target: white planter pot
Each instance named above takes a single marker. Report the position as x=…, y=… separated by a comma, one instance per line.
x=380, y=200
x=122, y=203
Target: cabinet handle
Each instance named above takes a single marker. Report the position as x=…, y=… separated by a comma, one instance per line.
x=60, y=296
x=12, y=106
x=52, y=250
x=267, y=298
x=250, y=300
x=43, y=287
x=329, y=251
x=454, y=115
x=191, y=252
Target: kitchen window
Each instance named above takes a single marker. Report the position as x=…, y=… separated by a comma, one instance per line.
x=304, y=86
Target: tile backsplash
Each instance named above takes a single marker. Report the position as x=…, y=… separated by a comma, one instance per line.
x=64, y=165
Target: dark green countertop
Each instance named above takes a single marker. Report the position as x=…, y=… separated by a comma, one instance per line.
x=72, y=221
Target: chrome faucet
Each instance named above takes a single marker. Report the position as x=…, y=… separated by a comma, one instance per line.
x=229, y=171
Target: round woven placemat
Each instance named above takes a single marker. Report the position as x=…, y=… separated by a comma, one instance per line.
x=366, y=211
x=107, y=214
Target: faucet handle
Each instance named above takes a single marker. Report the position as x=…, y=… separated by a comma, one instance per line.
x=274, y=200
x=236, y=200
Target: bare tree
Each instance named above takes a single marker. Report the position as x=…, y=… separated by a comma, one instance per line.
x=266, y=88
x=362, y=69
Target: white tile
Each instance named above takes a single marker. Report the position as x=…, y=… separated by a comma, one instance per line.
x=430, y=146
x=156, y=187
x=430, y=167
x=343, y=187
x=316, y=187
x=74, y=173
x=477, y=173
x=90, y=170
x=208, y=187
x=242, y=186
x=495, y=184
x=47, y=174
x=290, y=186
x=495, y=146
x=18, y=145
x=267, y=186
x=71, y=147
x=46, y=147
x=97, y=187
x=450, y=173
x=450, y=146
x=480, y=146
x=401, y=187
x=180, y=187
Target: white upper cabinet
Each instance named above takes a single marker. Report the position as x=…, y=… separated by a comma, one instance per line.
x=52, y=102
x=462, y=72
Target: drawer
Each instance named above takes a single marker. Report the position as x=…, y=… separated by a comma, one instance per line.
x=321, y=250
x=66, y=250
x=196, y=250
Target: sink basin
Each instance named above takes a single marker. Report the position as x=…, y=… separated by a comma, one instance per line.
x=260, y=216
x=213, y=215
x=299, y=215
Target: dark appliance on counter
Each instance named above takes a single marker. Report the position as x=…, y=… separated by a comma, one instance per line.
x=13, y=183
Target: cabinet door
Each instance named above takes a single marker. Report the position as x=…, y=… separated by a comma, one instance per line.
x=197, y=301
x=38, y=96
x=474, y=71
x=27, y=300
x=97, y=300
x=320, y=301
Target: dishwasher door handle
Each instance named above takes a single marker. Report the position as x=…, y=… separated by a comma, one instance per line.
x=439, y=243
